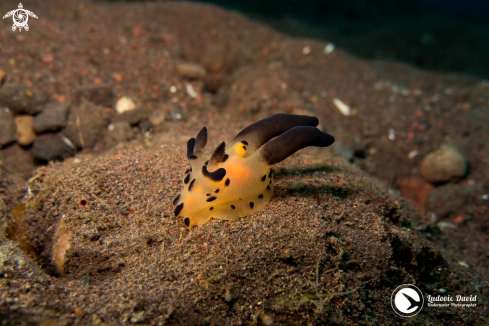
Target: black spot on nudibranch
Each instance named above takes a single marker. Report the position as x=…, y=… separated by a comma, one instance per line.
x=226, y=156
x=270, y=174
x=208, y=194
x=268, y=187
x=227, y=182
x=178, y=209
x=233, y=207
x=211, y=208
x=244, y=142
x=206, y=163
x=188, y=171
x=216, y=176
x=217, y=190
x=252, y=204
x=260, y=196
x=186, y=221
x=244, y=147
x=191, y=185
x=211, y=199
x=175, y=201
x=187, y=179
x=264, y=178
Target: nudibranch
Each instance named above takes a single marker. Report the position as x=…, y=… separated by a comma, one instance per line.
x=237, y=179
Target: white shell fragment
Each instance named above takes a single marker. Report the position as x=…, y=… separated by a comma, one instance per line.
x=344, y=108
x=392, y=134
x=328, y=48
x=413, y=154
x=124, y=104
x=190, y=90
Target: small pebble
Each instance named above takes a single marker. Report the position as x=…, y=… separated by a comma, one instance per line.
x=52, y=118
x=100, y=94
x=442, y=165
x=133, y=116
x=86, y=125
x=344, y=108
x=328, y=48
x=124, y=104
x=190, y=90
x=51, y=147
x=21, y=99
x=392, y=134
x=121, y=131
x=306, y=50
x=25, y=133
x=191, y=71
x=413, y=154
x=7, y=128
x=214, y=58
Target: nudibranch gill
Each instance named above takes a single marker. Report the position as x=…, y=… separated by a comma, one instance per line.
x=237, y=179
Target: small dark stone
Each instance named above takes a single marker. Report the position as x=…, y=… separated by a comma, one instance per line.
x=86, y=125
x=17, y=160
x=21, y=99
x=121, y=131
x=7, y=128
x=145, y=126
x=100, y=94
x=52, y=147
x=52, y=118
x=133, y=116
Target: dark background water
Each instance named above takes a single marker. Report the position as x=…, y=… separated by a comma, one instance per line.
x=443, y=35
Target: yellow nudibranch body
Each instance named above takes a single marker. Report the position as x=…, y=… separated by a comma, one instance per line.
x=238, y=181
